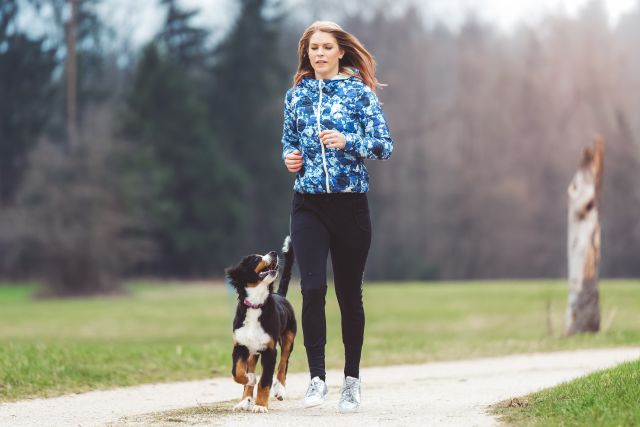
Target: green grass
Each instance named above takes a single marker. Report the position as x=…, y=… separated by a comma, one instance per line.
x=605, y=398
x=177, y=332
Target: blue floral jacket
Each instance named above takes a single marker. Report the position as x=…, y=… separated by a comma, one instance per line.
x=348, y=105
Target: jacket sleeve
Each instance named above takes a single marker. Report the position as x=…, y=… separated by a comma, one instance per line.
x=376, y=143
x=290, y=140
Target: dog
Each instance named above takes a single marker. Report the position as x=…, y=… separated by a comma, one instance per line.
x=263, y=319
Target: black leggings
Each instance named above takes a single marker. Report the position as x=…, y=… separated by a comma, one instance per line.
x=338, y=223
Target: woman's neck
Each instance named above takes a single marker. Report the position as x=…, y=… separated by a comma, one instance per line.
x=328, y=76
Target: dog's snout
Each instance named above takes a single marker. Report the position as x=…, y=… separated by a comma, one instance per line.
x=273, y=254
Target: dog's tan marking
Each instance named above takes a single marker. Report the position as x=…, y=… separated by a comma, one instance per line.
x=261, y=265
x=286, y=347
x=251, y=368
x=241, y=372
x=271, y=343
x=262, y=398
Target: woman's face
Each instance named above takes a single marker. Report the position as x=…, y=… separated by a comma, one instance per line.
x=324, y=54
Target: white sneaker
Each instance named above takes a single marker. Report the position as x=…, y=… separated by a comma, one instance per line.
x=316, y=393
x=350, y=395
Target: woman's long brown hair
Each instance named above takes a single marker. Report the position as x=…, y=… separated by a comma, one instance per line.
x=355, y=55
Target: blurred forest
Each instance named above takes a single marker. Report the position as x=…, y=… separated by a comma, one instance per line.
x=174, y=169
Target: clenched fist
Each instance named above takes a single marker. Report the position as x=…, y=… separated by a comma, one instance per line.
x=293, y=161
x=331, y=138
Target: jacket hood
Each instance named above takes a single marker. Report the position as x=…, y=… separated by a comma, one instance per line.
x=348, y=73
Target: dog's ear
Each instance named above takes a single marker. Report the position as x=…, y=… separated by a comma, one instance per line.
x=241, y=275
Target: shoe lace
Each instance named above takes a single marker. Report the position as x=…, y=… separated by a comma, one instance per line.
x=314, y=388
x=349, y=391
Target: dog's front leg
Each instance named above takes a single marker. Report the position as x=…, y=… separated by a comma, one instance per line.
x=264, y=386
x=239, y=369
x=251, y=373
x=242, y=374
x=286, y=347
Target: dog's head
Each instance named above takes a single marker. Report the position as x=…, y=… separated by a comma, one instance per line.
x=254, y=271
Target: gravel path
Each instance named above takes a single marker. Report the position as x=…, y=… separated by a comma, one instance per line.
x=444, y=393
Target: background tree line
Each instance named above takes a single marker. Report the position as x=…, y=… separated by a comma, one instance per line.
x=177, y=172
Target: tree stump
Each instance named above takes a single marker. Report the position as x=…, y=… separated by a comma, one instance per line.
x=583, y=308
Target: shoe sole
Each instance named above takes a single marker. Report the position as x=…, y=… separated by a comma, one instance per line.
x=311, y=405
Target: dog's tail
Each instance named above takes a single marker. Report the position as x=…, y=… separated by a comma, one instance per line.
x=289, y=258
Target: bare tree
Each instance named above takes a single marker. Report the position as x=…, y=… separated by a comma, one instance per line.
x=73, y=216
x=583, y=309
x=71, y=73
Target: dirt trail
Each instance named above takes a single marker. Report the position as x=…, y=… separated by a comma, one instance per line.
x=444, y=393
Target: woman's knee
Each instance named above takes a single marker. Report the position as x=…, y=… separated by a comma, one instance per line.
x=314, y=293
x=313, y=279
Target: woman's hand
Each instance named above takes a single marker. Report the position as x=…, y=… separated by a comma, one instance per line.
x=293, y=161
x=333, y=139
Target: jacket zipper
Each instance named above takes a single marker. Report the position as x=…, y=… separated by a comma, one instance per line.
x=324, y=157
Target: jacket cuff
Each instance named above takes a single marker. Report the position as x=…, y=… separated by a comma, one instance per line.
x=351, y=143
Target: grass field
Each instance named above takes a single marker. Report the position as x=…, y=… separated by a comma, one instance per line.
x=175, y=332
x=606, y=398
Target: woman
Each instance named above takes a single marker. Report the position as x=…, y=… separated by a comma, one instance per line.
x=332, y=122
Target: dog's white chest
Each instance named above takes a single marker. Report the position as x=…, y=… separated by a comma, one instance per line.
x=251, y=334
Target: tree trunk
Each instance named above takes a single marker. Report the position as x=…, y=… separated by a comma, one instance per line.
x=583, y=309
x=72, y=115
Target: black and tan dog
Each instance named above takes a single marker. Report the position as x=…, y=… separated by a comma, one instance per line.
x=263, y=319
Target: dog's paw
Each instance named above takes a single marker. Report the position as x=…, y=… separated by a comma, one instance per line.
x=259, y=409
x=245, y=404
x=252, y=379
x=278, y=390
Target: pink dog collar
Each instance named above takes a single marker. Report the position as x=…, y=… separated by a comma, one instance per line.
x=248, y=304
